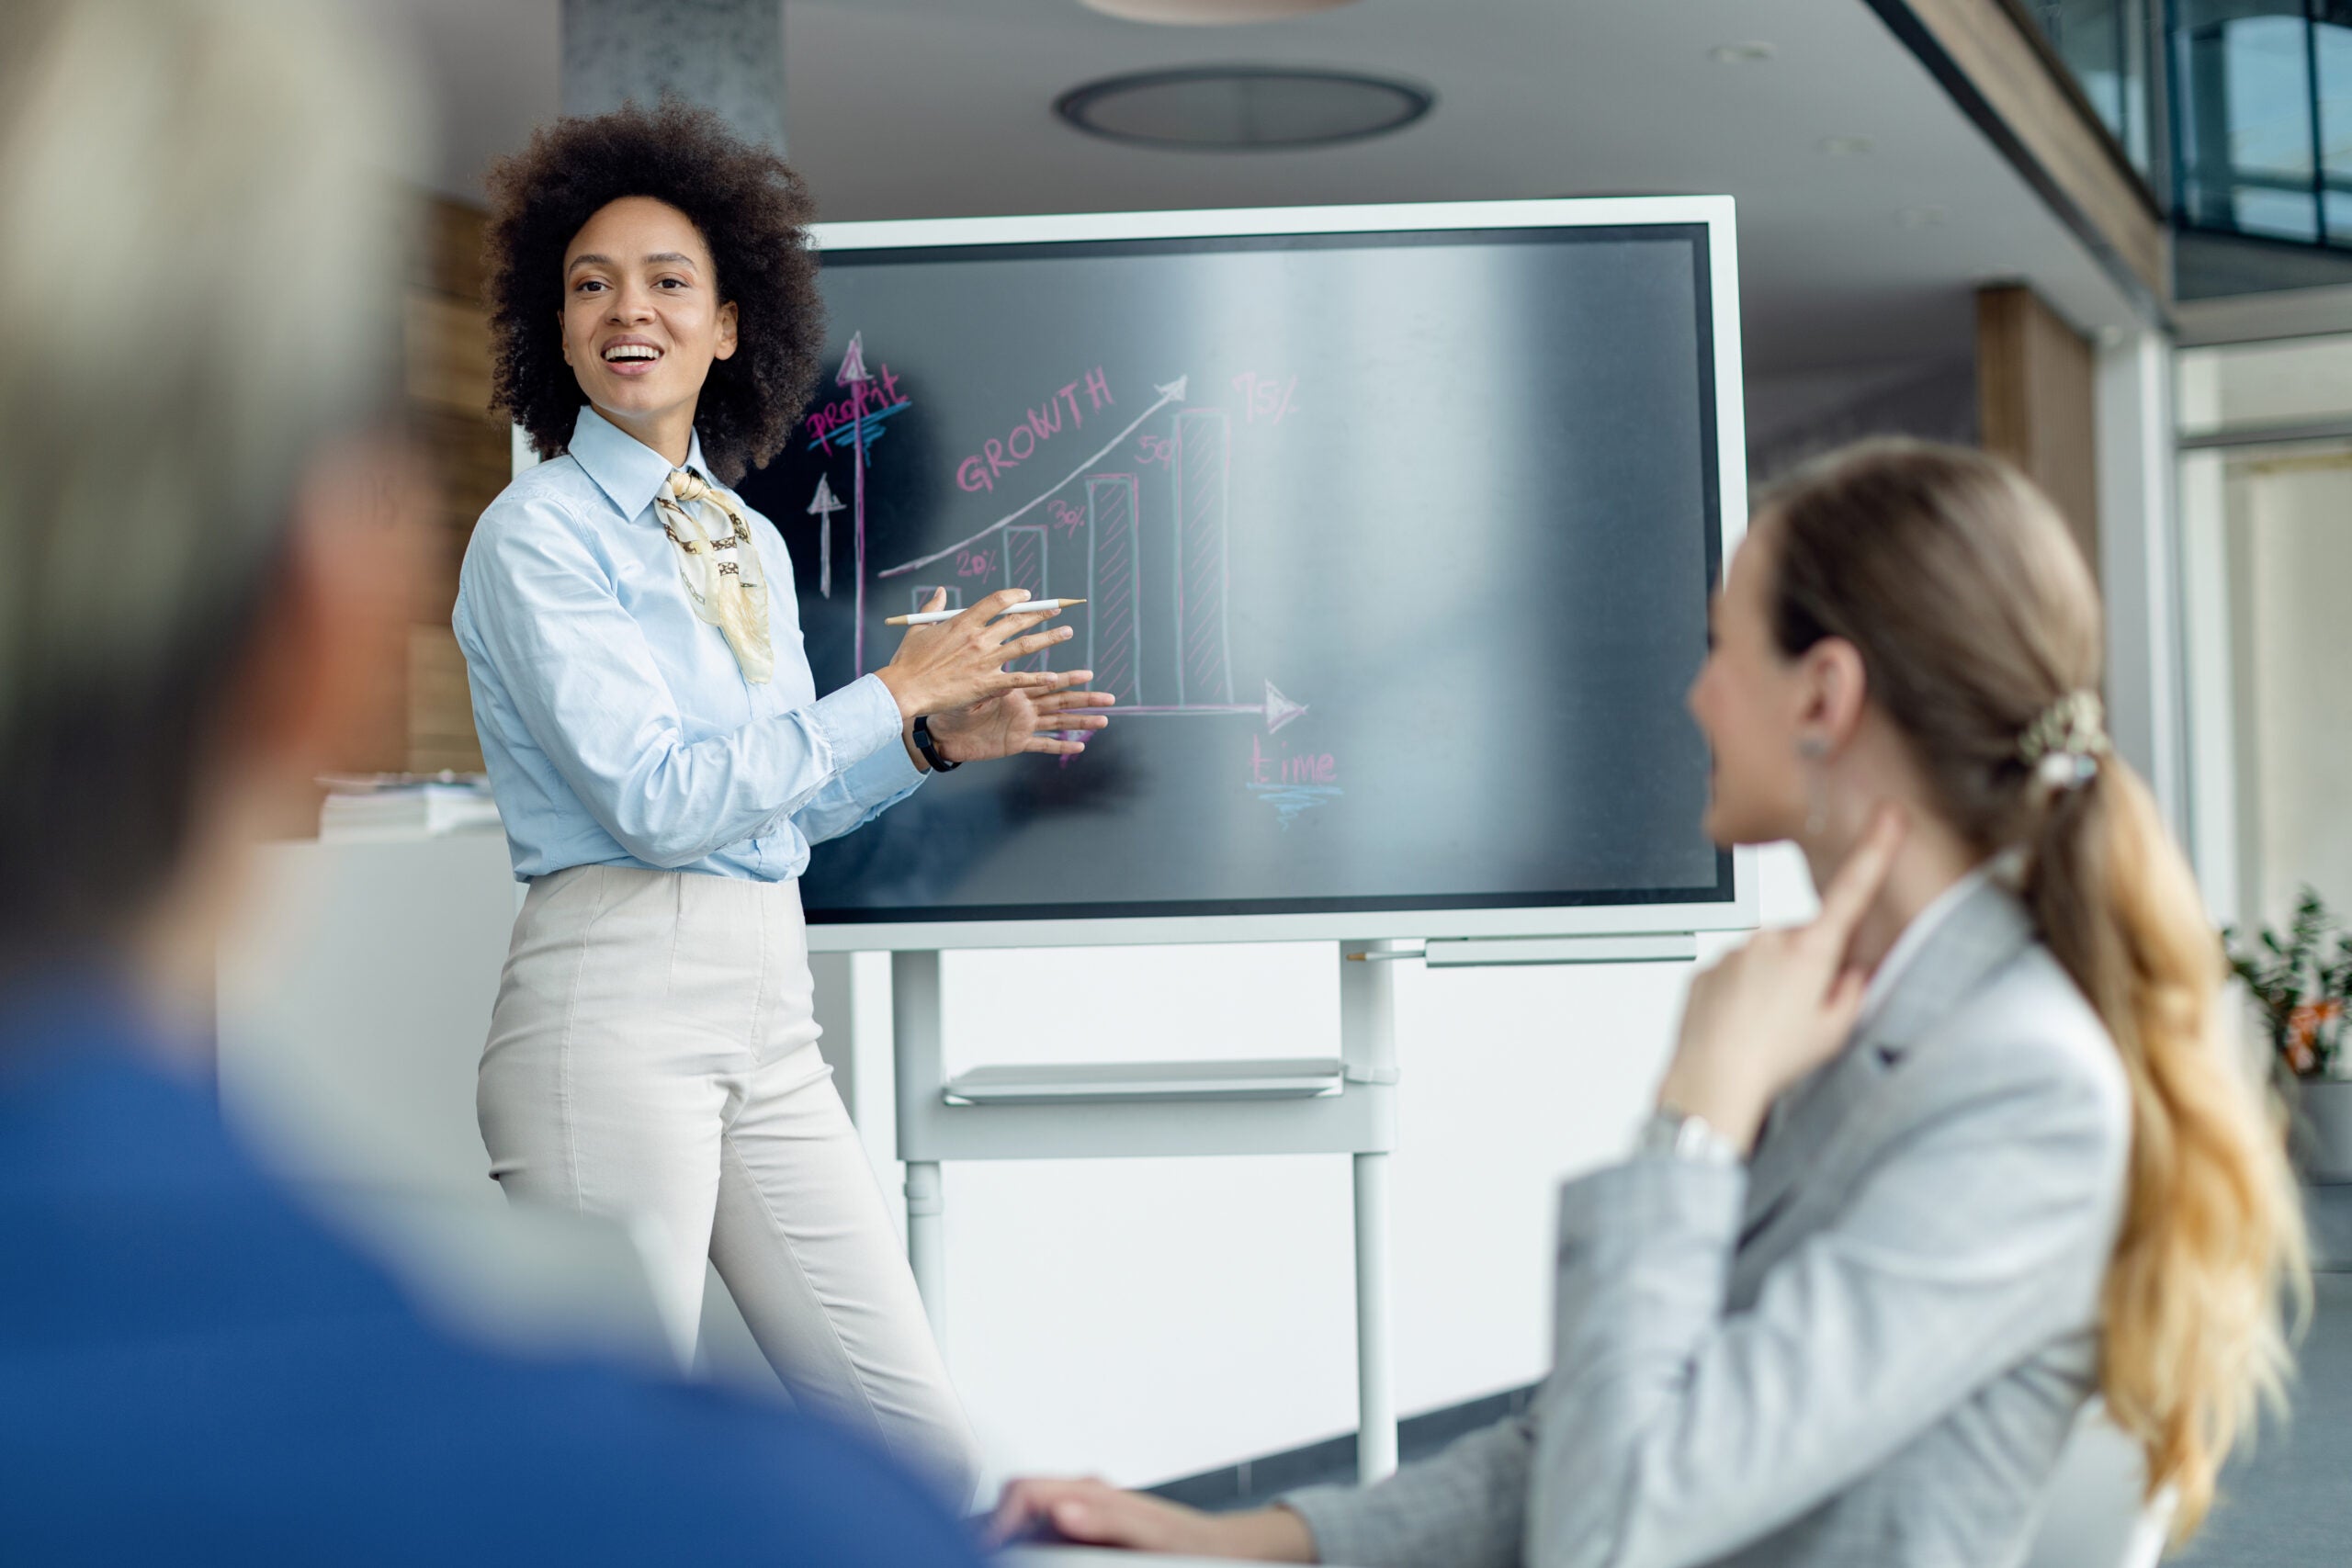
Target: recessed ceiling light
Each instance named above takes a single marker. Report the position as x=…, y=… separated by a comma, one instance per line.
x=1845, y=146
x=1741, y=53
x=1208, y=13
x=1243, y=108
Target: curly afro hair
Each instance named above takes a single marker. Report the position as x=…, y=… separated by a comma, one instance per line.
x=750, y=207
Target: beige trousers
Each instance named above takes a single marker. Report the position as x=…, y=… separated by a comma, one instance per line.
x=652, y=1057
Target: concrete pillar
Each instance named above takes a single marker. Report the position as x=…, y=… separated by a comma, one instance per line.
x=724, y=55
x=2210, y=581
x=2138, y=562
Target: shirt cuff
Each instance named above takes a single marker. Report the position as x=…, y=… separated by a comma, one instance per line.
x=1622, y=1209
x=888, y=775
x=1328, y=1512
x=856, y=722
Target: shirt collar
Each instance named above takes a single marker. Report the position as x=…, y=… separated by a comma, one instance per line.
x=1914, y=937
x=629, y=472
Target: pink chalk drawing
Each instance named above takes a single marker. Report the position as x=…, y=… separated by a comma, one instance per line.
x=1266, y=397
x=1204, y=485
x=979, y=471
x=1114, y=586
x=1293, y=782
x=854, y=377
x=1170, y=392
x=1195, y=448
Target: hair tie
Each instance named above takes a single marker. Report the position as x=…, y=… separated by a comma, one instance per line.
x=2063, y=747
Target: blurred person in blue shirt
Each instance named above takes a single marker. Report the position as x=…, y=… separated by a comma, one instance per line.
x=208, y=554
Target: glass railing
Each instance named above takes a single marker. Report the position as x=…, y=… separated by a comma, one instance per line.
x=2106, y=45
x=2263, y=117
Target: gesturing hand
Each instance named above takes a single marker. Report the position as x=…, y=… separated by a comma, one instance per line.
x=1773, y=1012
x=1022, y=720
x=957, y=663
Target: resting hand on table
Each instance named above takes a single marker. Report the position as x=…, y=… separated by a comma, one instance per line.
x=1777, y=1008
x=1094, y=1513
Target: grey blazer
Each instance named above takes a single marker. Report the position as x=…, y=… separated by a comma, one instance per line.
x=1865, y=1347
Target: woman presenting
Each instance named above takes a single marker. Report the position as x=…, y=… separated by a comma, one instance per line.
x=1926, y=1174
x=664, y=761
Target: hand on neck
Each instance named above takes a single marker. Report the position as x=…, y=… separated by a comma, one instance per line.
x=1932, y=858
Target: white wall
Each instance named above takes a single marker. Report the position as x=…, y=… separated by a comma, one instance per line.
x=2295, y=510
x=2265, y=542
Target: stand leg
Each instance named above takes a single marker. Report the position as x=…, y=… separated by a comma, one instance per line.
x=926, y=1247
x=919, y=1068
x=1368, y=1045
x=1376, y=1393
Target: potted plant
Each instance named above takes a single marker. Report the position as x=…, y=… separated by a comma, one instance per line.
x=2300, y=980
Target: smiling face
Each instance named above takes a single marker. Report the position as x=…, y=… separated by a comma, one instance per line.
x=1755, y=705
x=643, y=320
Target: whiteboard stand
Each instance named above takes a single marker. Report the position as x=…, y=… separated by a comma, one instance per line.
x=1124, y=1109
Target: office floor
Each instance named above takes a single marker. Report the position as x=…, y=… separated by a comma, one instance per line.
x=2289, y=1504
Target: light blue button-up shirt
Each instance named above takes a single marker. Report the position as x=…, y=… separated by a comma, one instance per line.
x=617, y=728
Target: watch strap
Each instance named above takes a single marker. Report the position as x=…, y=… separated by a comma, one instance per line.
x=928, y=744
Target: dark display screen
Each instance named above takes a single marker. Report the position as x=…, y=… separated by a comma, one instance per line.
x=1396, y=551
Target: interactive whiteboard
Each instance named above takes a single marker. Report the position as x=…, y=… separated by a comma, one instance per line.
x=1396, y=527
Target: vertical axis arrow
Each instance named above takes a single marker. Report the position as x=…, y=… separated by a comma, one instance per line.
x=854, y=376
x=823, y=506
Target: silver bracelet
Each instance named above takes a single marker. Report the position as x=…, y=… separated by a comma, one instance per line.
x=1685, y=1137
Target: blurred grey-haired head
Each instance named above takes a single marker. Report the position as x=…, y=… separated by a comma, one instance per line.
x=201, y=242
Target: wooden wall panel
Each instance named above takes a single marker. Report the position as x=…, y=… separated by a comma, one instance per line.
x=2036, y=402
x=445, y=330
x=448, y=352
x=440, y=713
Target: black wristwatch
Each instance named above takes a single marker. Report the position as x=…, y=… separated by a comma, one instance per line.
x=929, y=746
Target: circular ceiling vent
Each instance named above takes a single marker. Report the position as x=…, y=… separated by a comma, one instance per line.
x=1243, y=108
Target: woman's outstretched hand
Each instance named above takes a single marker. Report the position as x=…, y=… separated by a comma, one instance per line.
x=1770, y=1012
x=957, y=663
x=1050, y=720
x=1094, y=1513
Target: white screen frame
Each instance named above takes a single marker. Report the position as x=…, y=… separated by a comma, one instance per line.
x=1715, y=212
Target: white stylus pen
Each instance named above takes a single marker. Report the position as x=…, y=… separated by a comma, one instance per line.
x=932, y=617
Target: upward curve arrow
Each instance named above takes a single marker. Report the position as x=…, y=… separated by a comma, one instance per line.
x=1170, y=392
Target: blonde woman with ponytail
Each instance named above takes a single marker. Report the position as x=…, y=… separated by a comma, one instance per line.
x=1927, y=1174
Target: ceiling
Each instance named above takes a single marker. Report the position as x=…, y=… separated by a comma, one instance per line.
x=1853, y=265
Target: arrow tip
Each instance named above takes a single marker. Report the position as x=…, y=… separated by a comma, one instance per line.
x=1280, y=709
x=823, y=500
x=854, y=362
x=1174, y=388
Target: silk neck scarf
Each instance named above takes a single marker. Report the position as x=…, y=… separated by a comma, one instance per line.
x=722, y=576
